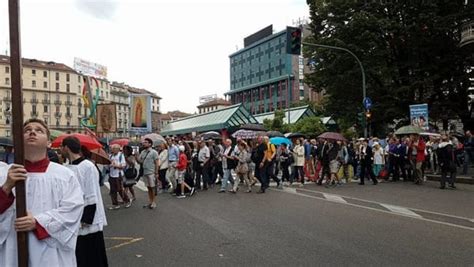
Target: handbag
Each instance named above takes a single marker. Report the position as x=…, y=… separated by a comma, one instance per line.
x=131, y=173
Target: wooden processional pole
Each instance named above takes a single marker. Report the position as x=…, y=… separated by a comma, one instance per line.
x=17, y=122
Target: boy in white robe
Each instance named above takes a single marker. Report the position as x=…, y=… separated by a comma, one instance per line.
x=54, y=205
x=90, y=249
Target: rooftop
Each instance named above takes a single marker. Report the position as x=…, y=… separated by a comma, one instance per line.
x=34, y=63
x=215, y=102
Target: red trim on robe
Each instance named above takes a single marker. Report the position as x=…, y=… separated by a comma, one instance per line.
x=39, y=166
x=40, y=232
x=5, y=201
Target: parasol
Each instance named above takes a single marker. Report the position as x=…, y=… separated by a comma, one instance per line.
x=86, y=140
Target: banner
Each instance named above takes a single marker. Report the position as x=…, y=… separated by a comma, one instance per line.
x=106, y=118
x=140, y=113
x=419, y=116
x=89, y=68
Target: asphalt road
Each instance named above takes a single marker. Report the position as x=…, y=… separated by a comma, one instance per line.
x=391, y=224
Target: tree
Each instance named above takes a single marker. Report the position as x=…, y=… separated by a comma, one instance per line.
x=276, y=124
x=310, y=126
x=410, y=51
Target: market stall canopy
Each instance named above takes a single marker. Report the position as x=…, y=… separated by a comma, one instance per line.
x=296, y=114
x=232, y=116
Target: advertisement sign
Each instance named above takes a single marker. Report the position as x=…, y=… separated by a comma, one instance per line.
x=106, y=118
x=419, y=115
x=88, y=68
x=140, y=113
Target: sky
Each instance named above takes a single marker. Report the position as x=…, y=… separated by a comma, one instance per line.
x=178, y=49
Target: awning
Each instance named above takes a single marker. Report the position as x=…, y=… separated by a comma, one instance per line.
x=296, y=114
x=232, y=116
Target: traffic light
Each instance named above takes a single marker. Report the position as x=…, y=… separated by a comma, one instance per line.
x=293, y=40
x=361, y=119
x=368, y=115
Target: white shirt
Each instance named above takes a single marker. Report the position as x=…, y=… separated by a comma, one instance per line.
x=163, y=158
x=56, y=201
x=119, y=158
x=88, y=178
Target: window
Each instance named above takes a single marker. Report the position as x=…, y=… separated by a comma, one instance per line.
x=68, y=88
x=7, y=132
x=7, y=69
x=57, y=86
x=34, y=95
x=46, y=96
x=57, y=122
x=33, y=108
x=46, y=120
x=33, y=72
x=57, y=76
x=67, y=77
x=57, y=108
x=68, y=123
x=45, y=74
x=45, y=85
x=45, y=109
x=33, y=83
x=68, y=110
x=7, y=81
x=107, y=95
x=57, y=97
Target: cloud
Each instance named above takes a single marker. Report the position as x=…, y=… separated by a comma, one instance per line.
x=101, y=9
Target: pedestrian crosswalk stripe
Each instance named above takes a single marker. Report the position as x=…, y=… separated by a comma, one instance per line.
x=401, y=210
x=334, y=198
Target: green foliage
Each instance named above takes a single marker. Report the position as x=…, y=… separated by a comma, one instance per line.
x=410, y=52
x=277, y=123
x=310, y=126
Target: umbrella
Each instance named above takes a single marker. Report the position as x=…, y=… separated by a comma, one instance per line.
x=409, y=129
x=55, y=133
x=280, y=140
x=274, y=134
x=211, y=135
x=86, y=140
x=6, y=141
x=245, y=134
x=100, y=156
x=252, y=126
x=332, y=136
x=121, y=142
x=431, y=134
x=156, y=138
x=296, y=135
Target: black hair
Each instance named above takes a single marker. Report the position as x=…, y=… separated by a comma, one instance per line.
x=73, y=144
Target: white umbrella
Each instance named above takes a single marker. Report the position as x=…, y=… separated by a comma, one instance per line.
x=245, y=134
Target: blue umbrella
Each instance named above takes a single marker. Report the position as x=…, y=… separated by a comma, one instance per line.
x=280, y=140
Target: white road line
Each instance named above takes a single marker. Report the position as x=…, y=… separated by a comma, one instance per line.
x=107, y=185
x=401, y=210
x=334, y=198
x=293, y=191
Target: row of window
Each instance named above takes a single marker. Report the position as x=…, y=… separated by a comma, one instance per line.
x=45, y=73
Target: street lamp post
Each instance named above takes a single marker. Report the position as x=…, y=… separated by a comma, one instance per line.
x=358, y=61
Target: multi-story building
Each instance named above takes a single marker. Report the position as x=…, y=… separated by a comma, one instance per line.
x=264, y=77
x=155, y=107
x=53, y=92
x=214, y=104
x=50, y=92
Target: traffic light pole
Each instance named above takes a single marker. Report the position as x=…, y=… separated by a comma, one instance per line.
x=358, y=61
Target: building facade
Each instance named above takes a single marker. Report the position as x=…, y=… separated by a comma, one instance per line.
x=264, y=77
x=212, y=105
x=53, y=92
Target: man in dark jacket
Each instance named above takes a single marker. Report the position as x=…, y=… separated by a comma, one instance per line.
x=447, y=161
x=366, y=159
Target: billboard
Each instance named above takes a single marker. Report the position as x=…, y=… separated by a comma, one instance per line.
x=106, y=118
x=88, y=68
x=419, y=116
x=140, y=113
x=265, y=32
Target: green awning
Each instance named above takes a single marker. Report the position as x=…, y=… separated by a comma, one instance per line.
x=296, y=114
x=232, y=116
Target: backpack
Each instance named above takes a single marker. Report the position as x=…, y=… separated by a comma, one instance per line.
x=231, y=163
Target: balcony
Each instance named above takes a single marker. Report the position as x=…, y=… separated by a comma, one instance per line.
x=45, y=101
x=57, y=114
x=68, y=103
x=68, y=115
x=58, y=102
x=34, y=114
x=467, y=34
x=34, y=101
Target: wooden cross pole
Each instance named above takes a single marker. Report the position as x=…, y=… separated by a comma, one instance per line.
x=17, y=122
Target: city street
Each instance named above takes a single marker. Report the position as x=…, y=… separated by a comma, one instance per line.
x=391, y=224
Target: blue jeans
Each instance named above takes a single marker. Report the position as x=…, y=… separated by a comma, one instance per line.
x=225, y=178
x=468, y=157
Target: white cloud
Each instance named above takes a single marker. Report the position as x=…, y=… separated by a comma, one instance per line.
x=178, y=49
x=101, y=9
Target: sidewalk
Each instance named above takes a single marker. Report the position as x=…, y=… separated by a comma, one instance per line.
x=461, y=179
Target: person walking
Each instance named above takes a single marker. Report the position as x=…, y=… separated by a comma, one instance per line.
x=204, y=156
x=366, y=159
x=116, y=178
x=54, y=203
x=90, y=247
x=418, y=154
x=173, y=157
x=447, y=162
x=164, y=163
x=181, y=167
x=379, y=159
x=228, y=163
x=468, y=151
x=299, y=160
x=151, y=166
x=242, y=168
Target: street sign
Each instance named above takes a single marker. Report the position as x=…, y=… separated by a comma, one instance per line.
x=367, y=103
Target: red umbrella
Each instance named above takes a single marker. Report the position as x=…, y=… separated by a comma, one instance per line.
x=86, y=140
x=121, y=142
x=100, y=156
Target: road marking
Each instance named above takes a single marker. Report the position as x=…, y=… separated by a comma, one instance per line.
x=334, y=198
x=107, y=184
x=401, y=210
x=128, y=241
x=293, y=191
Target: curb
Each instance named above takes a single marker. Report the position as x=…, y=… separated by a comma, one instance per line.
x=459, y=179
